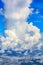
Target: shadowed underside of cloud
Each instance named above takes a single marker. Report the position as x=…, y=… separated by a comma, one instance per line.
x=19, y=35
x=25, y=60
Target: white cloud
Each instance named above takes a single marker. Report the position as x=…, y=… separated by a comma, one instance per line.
x=19, y=34
x=40, y=42
x=23, y=40
x=37, y=11
x=1, y=11
x=17, y=9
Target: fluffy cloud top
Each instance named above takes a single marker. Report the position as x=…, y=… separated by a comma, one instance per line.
x=17, y=9
x=22, y=40
x=19, y=34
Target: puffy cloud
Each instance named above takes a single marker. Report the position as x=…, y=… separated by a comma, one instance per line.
x=17, y=9
x=23, y=40
x=40, y=42
x=19, y=34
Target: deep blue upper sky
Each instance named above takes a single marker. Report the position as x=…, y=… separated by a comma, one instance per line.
x=36, y=18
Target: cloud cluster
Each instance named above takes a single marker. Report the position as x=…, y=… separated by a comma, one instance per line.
x=19, y=34
x=22, y=40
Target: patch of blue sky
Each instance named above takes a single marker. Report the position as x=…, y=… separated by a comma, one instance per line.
x=2, y=24
x=1, y=4
x=37, y=4
x=37, y=18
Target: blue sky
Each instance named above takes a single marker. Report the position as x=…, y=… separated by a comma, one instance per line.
x=36, y=18
x=21, y=38
x=20, y=35
x=2, y=23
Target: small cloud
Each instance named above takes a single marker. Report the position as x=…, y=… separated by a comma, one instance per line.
x=1, y=11
x=37, y=12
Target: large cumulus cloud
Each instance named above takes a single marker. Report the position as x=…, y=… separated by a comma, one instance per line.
x=19, y=35
x=22, y=40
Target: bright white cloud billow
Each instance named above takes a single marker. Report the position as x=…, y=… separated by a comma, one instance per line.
x=19, y=34
x=24, y=39
x=17, y=9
